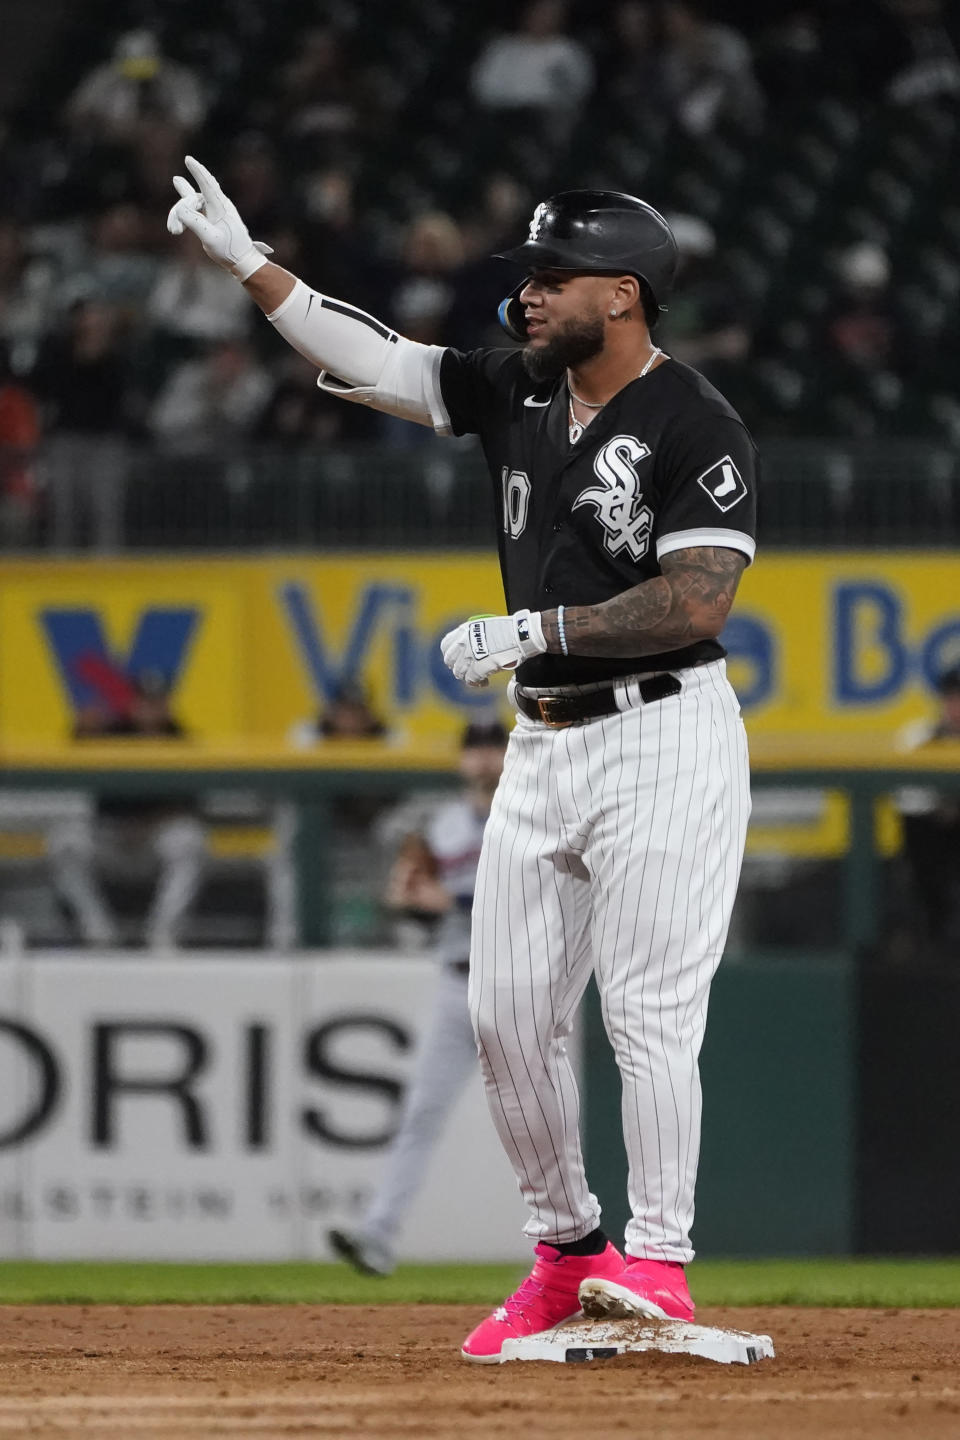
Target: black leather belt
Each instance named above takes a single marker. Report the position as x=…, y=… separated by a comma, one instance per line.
x=559, y=710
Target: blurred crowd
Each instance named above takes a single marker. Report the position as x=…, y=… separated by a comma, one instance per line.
x=384, y=153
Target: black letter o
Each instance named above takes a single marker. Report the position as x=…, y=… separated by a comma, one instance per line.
x=49, y=1089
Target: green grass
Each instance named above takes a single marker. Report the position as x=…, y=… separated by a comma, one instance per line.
x=122, y=1283
x=856, y=1282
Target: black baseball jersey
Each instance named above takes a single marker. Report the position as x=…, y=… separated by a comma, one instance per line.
x=667, y=464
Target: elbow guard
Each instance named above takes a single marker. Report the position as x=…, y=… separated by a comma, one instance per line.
x=361, y=359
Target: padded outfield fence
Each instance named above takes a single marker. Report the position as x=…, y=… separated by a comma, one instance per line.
x=829, y=1069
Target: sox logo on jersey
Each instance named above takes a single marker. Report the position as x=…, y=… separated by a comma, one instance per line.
x=723, y=483
x=626, y=521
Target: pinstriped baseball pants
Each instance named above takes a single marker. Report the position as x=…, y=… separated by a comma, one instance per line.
x=612, y=847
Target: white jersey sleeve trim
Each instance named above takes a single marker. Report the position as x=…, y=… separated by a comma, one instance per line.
x=692, y=539
x=363, y=360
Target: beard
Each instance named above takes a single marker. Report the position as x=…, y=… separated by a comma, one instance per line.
x=577, y=341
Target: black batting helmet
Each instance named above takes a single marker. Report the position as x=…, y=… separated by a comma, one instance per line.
x=594, y=230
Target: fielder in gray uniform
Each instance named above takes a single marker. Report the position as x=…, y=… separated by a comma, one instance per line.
x=625, y=486
x=434, y=876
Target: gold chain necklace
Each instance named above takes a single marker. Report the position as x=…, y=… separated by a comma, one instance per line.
x=575, y=427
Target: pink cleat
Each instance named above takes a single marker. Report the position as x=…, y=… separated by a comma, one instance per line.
x=655, y=1288
x=546, y=1298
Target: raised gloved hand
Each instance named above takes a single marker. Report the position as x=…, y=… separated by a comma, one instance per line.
x=216, y=222
x=487, y=643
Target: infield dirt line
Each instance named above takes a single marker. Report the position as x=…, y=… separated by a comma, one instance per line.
x=136, y=1409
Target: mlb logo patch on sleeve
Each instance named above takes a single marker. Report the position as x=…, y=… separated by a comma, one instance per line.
x=723, y=483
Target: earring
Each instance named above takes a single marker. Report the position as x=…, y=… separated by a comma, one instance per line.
x=613, y=314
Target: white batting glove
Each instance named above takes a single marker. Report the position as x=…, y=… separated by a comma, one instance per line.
x=216, y=222
x=487, y=643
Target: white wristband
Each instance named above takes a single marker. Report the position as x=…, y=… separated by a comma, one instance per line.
x=562, y=631
x=248, y=264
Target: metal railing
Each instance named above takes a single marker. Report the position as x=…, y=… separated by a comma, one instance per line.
x=103, y=495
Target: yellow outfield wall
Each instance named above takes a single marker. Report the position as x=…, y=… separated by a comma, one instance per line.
x=828, y=653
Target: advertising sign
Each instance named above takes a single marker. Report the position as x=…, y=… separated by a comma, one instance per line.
x=251, y=651
x=225, y=1108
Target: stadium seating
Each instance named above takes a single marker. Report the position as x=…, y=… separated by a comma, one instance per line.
x=829, y=170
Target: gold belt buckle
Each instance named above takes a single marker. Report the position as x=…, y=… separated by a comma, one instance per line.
x=544, y=705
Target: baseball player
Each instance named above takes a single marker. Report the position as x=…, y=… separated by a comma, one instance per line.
x=625, y=487
x=434, y=875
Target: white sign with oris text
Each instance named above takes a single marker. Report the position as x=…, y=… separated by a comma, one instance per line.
x=230, y=1107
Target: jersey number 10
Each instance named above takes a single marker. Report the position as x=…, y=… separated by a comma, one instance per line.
x=516, y=500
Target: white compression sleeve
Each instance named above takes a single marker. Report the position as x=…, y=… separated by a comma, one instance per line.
x=361, y=359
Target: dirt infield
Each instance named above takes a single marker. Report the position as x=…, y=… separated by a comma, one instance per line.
x=278, y=1372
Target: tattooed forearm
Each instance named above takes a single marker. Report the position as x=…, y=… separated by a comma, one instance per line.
x=690, y=600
